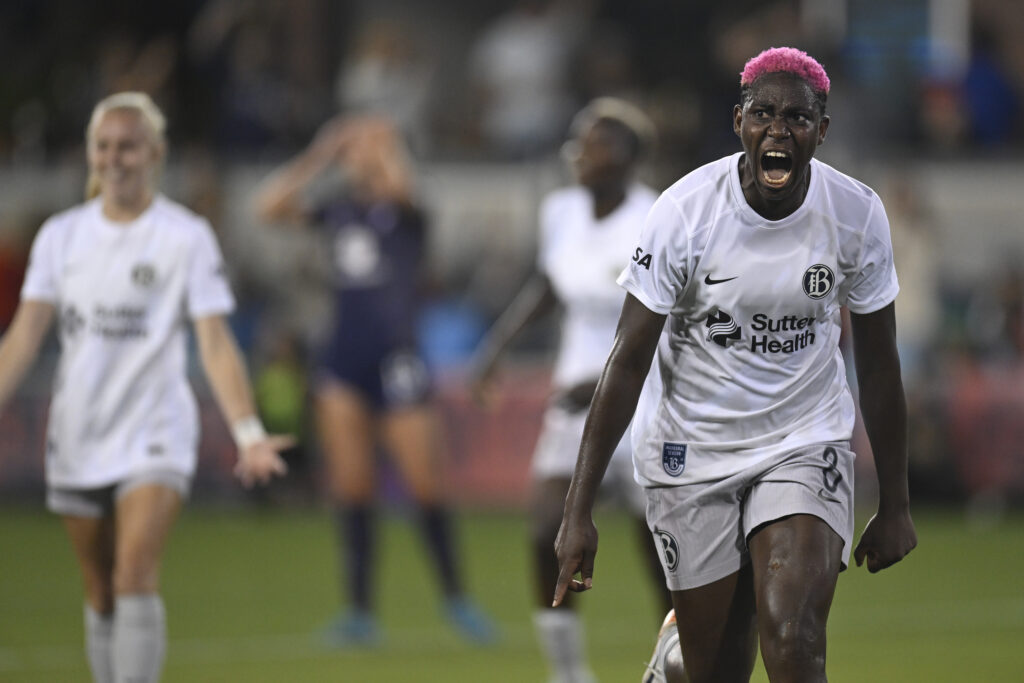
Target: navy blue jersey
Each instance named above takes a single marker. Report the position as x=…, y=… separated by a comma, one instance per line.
x=377, y=254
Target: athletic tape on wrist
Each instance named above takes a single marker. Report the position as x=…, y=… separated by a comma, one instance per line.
x=247, y=431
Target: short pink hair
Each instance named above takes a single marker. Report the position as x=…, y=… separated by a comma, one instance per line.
x=788, y=60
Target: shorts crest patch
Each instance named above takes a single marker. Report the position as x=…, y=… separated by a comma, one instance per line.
x=673, y=458
x=669, y=549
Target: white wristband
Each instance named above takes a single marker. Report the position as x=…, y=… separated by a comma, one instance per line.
x=247, y=431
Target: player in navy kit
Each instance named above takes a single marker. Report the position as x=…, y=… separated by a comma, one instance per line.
x=742, y=425
x=371, y=384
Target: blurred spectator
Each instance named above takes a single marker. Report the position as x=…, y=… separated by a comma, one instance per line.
x=916, y=253
x=606, y=65
x=14, y=245
x=262, y=57
x=992, y=106
x=919, y=322
x=520, y=68
x=942, y=116
x=995, y=317
x=388, y=72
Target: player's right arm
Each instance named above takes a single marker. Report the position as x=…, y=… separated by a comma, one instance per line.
x=280, y=197
x=21, y=343
x=618, y=391
x=535, y=299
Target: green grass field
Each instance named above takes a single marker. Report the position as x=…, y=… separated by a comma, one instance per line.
x=246, y=590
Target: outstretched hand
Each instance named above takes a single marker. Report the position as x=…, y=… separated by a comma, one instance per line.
x=886, y=540
x=260, y=462
x=575, y=548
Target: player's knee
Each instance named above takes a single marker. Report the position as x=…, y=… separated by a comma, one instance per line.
x=132, y=578
x=425, y=491
x=685, y=670
x=99, y=594
x=352, y=490
x=795, y=641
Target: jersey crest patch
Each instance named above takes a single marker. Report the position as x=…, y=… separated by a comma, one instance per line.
x=818, y=281
x=673, y=458
x=143, y=274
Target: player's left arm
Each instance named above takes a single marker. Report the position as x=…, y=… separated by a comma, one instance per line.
x=890, y=534
x=258, y=459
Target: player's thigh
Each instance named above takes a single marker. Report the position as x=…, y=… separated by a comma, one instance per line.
x=558, y=444
x=547, y=503
x=717, y=626
x=413, y=440
x=345, y=425
x=799, y=521
x=144, y=517
x=796, y=562
x=92, y=539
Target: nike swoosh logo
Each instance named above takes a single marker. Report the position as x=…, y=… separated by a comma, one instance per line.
x=709, y=281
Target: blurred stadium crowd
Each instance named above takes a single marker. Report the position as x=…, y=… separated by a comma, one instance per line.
x=927, y=105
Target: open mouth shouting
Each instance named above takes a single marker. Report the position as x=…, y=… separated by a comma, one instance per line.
x=776, y=168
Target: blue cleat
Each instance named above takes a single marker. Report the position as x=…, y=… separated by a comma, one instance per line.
x=353, y=628
x=470, y=621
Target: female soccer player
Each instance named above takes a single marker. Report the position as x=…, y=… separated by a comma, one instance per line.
x=372, y=387
x=122, y=273
x=586, y=233
x=742, y=431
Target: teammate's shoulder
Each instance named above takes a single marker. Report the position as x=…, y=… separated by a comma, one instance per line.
x=699, y=195
x=842, y=186
x=641, y=192
x=565, y=196
x=64, y=220
x=167, y=208
x=702, y=180
x=183, y=218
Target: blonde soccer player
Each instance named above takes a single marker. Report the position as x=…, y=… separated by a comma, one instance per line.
x=122, y=275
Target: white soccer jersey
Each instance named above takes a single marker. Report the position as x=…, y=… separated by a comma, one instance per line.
x=582, y=256
x=749, y=363
x=123, y=292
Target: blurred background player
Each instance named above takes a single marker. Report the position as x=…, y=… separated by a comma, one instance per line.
x=587, y=232
x=371, y=386
x=742, y=434
x=120, y=274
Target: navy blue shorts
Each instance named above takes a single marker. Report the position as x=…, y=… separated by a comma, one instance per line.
x=387, y=376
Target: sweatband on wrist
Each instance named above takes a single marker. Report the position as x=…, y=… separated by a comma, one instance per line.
x=247, y=431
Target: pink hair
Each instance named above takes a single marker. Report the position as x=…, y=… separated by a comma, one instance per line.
x=789, y=60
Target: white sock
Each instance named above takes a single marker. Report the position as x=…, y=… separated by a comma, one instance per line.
x=561, y=638
x=99, y=632
x=140, y=638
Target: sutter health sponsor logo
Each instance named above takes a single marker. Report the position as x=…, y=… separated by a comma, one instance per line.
x=119, y=322
x=799, y=338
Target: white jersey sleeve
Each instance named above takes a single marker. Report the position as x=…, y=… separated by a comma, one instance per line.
x=208, y=289
x=547, y=224
x=41, y=276
x=660, y=264
x=874, y=285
